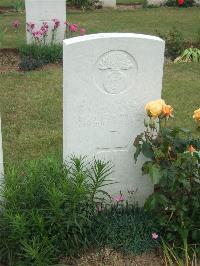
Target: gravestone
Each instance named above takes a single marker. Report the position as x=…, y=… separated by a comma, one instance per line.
x=39, y=11
x=110, y=79
x=1, y=154
x=109, y=3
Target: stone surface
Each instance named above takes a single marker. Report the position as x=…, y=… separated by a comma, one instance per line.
x=109, y=3
x=39, y=11
x=1, y=153
x=156, y=2
x=110, y=79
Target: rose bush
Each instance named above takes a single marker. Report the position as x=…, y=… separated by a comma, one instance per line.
x=174, y=167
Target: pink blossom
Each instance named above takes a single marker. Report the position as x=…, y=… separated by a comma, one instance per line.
x=154, y=236
x=44, y=28
x=15, y=24
x=73, y=27
x=82, y=31
x=37, y=35
x=30, y=26
x=119, y=198
x=56, y=23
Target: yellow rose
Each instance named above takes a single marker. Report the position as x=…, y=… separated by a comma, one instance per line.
x=154, y=108
x=196, y=115
x=167, y=110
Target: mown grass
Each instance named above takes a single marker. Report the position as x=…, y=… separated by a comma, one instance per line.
x=8, y=3
x=31, y=109
x=140, y=21
x=31, y=106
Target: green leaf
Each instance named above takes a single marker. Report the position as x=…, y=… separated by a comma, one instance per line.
x=147, y=150
x=155, y=200
x=155, y=173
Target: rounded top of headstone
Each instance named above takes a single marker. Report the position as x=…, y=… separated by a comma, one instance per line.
x=111, y=36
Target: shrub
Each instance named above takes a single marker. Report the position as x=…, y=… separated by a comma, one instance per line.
x=85, y=4
x=189, y=55
x=51, y=53
x=180, y=3
x=28, y=63
x=174, y=167
x=175, y=43
x=47, y=208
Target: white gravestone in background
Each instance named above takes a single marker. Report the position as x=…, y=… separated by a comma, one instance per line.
x=39, y=11
x=1, y=154
x=108, y=79
x=109, y=3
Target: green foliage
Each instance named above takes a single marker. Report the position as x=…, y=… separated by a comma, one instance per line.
x=84, y=4
x=28, y=63
x=51, y=53
x=47, y=209
x=18, y=5
x=175, y=43
x=187, y=3
x=173, y=166
x=125, y=228
x=2, y=36
x=189, y=55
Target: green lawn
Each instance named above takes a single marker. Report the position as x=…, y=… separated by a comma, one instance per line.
x=31, y=106
x=141, y=21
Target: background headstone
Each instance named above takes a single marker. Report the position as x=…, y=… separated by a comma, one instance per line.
x=110, y=79
x=109, y=3
x=1, y=154
x=39, y=11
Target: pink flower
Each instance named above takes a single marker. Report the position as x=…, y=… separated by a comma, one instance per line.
x=154, y=236
x=30, y=26
x=56, y=23
x=73, y=27
x=15, y=24
x=37, y=35
x=119, y=198
x=82, y=31
x=44, y=28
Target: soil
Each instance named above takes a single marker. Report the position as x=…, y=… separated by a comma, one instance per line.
x=129, y=6
x=5, y=9
x=109, y=257
x=9, y=60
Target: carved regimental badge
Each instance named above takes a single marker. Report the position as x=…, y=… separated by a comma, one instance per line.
x=116, y=71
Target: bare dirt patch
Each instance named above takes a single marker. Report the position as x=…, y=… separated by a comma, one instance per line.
x=9, y=60
x=109, y=257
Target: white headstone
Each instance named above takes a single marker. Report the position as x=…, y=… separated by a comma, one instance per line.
x=1, y=154
x=39, y=11
x=109, y=3
x=108, y=79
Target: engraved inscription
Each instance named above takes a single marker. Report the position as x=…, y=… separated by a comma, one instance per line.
x=115, y=71
x=121, y=115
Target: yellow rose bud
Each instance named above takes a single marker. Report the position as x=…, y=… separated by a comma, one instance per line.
x=154, y=108
x=167, y=110
x=196, y=115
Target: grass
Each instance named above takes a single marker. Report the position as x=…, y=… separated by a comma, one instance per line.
x=31, y=106
x=31, y=112
x=8, y=3
x=141, y=21
x=181, y=90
